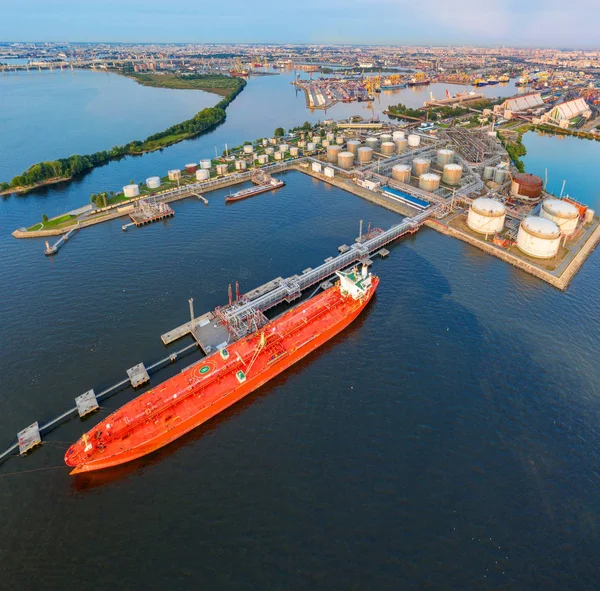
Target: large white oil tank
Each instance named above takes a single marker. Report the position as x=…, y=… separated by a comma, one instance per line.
x=444, y=156
x=270, y=150
x=452, y=174
x=429, y=181
x=420, y=166
x=294, y=151
x=316, y=139
x=539, y=237
x=311, y=146
x=263, y=159
x=284, y=147
x=398, y=135
x=174, y=174
x=153, y=182
x=329, y=172
x=131, y=190
x=240, y=165
x=385, y=137
x=488, y=173
x=325, y=143
x=401, y=145
x=202, y=174
x=248, y=149
x=388, y=148
x=345, y=160
x=401, y=172
x=278, y=155
x=316, y=166
x=205, y=163
x=486, y=216
x=339, y=140
x=365, y=154
x=414, y=140
x=333, y=153
x=372, y=142
x=273, y=141
x=353, y=146
x=500, y=175
x=330, y=137
x=221, y=169
x=589, y=215
x=564, y=214
x=301, y=144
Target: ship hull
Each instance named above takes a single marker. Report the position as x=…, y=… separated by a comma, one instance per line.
x=205, y=413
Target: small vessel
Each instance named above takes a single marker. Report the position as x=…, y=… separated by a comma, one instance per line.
x=270, y=185
x=419, y=79
x=491, y=81
x=504, y=78
x=523, y=81
x=185, y=401
x=480, y=82
x=241, y=73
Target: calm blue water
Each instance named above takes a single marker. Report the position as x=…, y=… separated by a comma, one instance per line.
x=449, y=439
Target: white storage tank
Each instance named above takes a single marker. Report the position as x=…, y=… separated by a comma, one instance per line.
x=339, y=140
x=311, y=146
x=539, y=237
x=401, y=145
x=401, y=173
x=329, y=172
x=294, y=151
x=388, y=148
x=205, y=163
x=153, y=182
x=372, y=142
x=301, y=144
x=191, y=168
x=316, y=166
x=240, y=165
x=174, y=175
x=500, y=175
x=221, y=169
x=316, y=139
x=270, y=151
x=325, y=143
x=263, y=159
x=353, y=146
x=265, y=142
x=345, y=160
x=564, y=214
x=397, y=135
x=486, y=216
x=365, y=154
x=284, y=147
x=202, y=174
x=589, y=215
x=131, y=190
x=278, y=155
x=444, y=156
x=429, y=182
x=330, y=137
x=414, y=140
x=421, y=166
x=273, y=141
x=385, y=137
x=488, y=173
x=248, y=149
x=333, y=153
x=452, y=174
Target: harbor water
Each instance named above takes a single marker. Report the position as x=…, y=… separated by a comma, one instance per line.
x=448, y=439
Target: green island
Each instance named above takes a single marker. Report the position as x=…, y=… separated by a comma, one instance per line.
x=64, y=169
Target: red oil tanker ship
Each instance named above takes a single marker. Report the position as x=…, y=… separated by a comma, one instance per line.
x=175, y=407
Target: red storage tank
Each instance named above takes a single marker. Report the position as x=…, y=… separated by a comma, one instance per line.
x=527, y=187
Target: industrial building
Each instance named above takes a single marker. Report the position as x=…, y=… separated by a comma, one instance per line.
x=527, y=103
x=563, y=114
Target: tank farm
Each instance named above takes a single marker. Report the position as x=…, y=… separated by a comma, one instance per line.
x=459, y=182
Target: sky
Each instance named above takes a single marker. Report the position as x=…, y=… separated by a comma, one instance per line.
x=528, y=23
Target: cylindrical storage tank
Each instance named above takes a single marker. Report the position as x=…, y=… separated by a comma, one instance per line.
x=294, y=151
x=488, y=173
x=414, y=140
x=278, y=155
x=202, y=174
x=153, y=182
x=325, y=143
x=429, y=181
x=248, y=149
x=329, y=172
x=486, y=216
x=372, y=142
x=527, y=187
x=339, y=140
x=240, y=165
x=333, y=153
x=174, y=175
x=397, y=135
x=301, y=144
x=385, y=137
x=265, y=142
x=539, y=237
x=273, y=141
x=420, y=166
x=316, y=139
x=401, y=145
x=330, y=137
x=205, y=163
x=388, y=148
x=284, y=147
x=564, y=214
x=365, y=154
x=270, y=150
x=589, y=215
x=345, y=160
x=263, y=159
x=500, y=175
x=221, y=169
x=452, y=174
x=191, y=168
x=401, y=173
x=131, y=190
x=353, y=146
x=444, y=156
x=311, y=146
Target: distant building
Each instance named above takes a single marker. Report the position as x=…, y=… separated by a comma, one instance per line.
x=519, y=104
x=563, y=114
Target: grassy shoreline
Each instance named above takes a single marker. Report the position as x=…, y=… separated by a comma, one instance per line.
x=65, y=169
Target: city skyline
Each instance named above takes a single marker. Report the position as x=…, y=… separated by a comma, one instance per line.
x=368, y=22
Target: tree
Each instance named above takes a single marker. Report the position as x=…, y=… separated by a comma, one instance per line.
x=307, y=126
x=44, y=218
x=279, y=132
x=93, y=198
